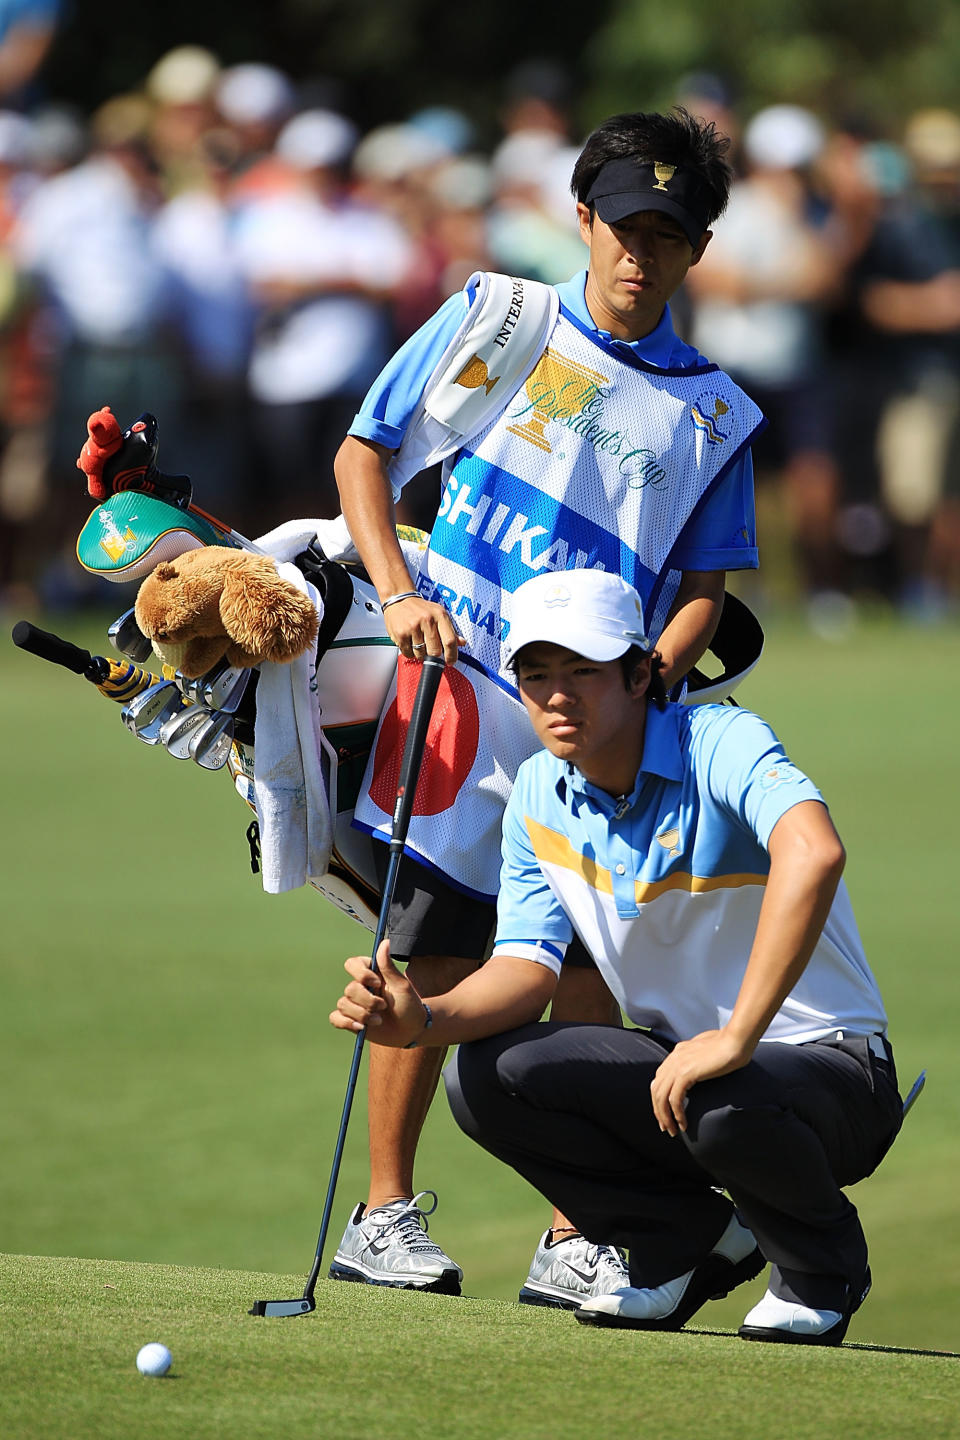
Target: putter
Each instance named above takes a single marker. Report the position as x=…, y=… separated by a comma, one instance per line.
x=211, y=742
x=126, y=637
x=149, y=711
x=413, y=749
x=177, y=732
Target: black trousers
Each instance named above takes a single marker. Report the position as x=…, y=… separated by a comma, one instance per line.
x=568, y=1106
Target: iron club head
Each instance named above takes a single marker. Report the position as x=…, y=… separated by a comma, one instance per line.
x=211, y=742
x=177, y=732
x=189, y=686
x=128, y=639
x=148, y=712
x=223, y=687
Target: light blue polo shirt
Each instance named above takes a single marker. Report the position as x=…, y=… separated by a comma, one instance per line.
x=720, y=535
x=664, y=885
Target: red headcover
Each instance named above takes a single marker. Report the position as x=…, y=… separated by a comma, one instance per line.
x=104, y=438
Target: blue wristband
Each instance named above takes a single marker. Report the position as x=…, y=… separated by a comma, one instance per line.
x=427, y=1022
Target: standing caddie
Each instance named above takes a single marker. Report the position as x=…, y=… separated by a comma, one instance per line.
x=702, y=871
x=577, y=432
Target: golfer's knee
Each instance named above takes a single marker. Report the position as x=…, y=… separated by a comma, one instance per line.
x=718, y=1134
x=468, y=1083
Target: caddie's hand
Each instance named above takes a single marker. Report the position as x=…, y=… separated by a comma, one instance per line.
x=419, y=627
x=384, y=1004
x=704, y=1057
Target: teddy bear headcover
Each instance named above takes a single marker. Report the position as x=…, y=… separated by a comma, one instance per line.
x=213, y=602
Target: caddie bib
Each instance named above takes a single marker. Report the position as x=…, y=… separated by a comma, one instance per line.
x=598, y=461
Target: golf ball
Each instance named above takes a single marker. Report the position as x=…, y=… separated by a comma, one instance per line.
x=154, y=1359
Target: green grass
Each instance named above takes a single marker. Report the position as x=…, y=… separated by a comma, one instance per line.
x=378, y=1363
x=172, y=1089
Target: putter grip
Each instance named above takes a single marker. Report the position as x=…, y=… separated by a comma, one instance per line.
x=431, y=673
x=51, y=647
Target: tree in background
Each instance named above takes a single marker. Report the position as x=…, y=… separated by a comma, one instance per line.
x=383, y=59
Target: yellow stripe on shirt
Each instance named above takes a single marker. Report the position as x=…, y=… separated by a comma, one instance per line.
x=553, y=848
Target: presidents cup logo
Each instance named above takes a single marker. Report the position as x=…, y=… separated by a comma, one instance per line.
x=664, y=174
x=708, y=414
x=557, y=594
x=781, y=774
x=113, y=542
x=474, y=374
x=558, y=389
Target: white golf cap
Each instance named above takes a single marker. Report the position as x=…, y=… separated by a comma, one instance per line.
x=591, y=612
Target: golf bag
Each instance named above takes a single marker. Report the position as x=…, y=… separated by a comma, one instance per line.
x=151, y=519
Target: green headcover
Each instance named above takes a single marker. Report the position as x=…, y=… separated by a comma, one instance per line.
x=130, y=533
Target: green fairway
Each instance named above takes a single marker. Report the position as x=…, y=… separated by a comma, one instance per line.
x=377, y=1363
x=172, y=1087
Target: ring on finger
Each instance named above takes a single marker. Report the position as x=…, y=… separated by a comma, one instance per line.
x=418, y=647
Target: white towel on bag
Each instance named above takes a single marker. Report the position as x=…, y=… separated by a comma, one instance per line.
x=294, y=765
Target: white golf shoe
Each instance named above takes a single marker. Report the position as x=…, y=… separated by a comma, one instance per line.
x=734, y=1259
x=390, y=1246
x=565, y=1274
x=788, y=1322
x=784, y=1321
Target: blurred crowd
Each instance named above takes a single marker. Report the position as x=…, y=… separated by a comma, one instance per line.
x=227, y=249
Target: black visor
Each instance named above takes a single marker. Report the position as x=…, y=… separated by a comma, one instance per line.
x=624, y=187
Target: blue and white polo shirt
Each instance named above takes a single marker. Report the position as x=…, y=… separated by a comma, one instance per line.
x=664, y=886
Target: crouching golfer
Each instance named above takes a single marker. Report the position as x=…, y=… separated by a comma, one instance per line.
x=702, y=871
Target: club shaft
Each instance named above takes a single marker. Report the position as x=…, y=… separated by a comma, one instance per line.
x=915, y=1089
x=226, y=529
x=414, y=745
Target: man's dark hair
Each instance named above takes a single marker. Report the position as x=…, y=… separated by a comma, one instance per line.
x=676, y=139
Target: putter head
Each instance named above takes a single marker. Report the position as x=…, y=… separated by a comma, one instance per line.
x=278, y=1309
x=223, y=687
x=211, y=743
x=149, y=711
x=177, y=732
x=128, y=639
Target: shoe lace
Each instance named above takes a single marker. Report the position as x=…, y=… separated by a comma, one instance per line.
x=406, y=1219
x=608, y=1257
x=598, y=1257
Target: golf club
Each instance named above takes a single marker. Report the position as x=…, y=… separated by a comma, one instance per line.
x=223, y=687
x=126, y=636
x=115, y=681
x=148, y=712
x=177, y=732
x=187, y=686
x=413, y=749
x=915, y=1089
x=210, y=743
